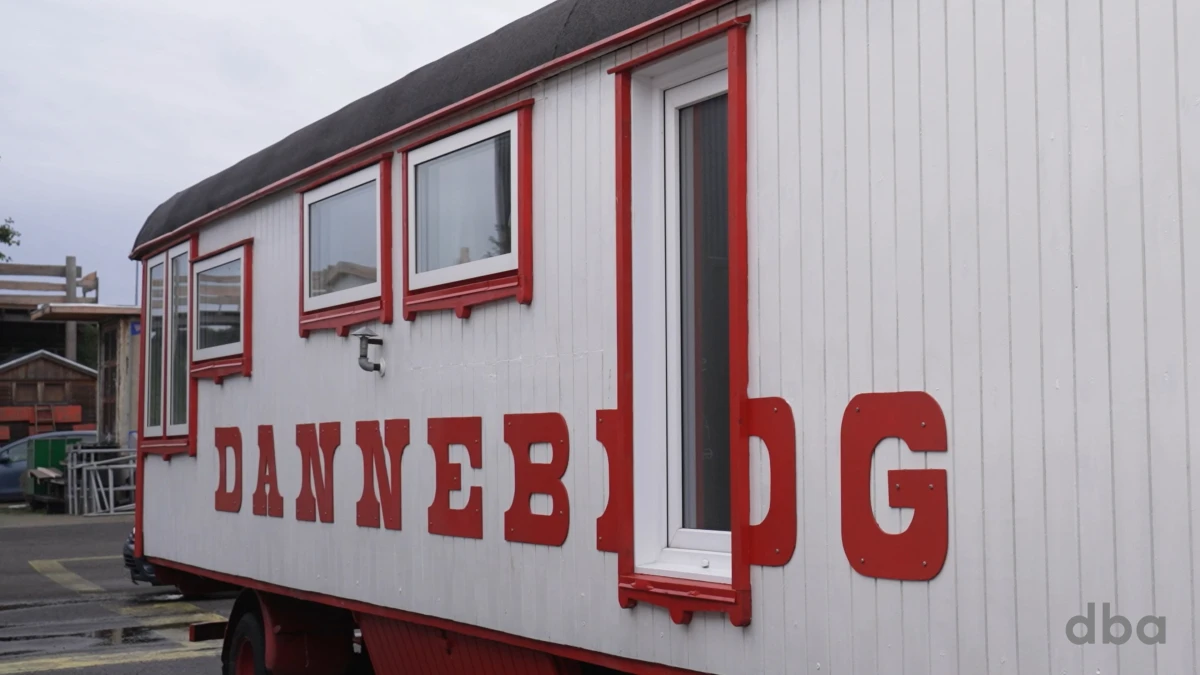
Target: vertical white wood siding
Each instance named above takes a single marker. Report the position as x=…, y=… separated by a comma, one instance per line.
x=997, y=203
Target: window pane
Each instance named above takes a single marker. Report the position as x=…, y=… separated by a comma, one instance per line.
x=464, y=205
x=704, y=254
x=342, y=241
x=54, y=392
x=179, y=340
x=19, y=453
x=154, y=366
x=219, y=315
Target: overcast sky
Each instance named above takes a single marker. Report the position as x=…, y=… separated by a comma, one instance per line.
x=108, y=107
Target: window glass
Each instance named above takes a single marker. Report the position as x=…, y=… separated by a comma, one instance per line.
x=342, y=241
x=154, y=356
x=177, y=403
x=18, y=453
x=219, y=305
x=464, y=209
x=54, y=392
x=704, y=291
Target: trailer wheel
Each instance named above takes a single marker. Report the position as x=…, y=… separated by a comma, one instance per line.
x=246, y=656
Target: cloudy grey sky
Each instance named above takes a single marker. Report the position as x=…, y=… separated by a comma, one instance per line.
x=108, y=107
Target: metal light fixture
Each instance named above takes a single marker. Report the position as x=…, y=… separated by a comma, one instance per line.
x=365, y=339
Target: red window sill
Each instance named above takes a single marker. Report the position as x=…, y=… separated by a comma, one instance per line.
x=463, y=296
x=166, y=447
x=342, y=318
x=683, y=597
x=219, y=369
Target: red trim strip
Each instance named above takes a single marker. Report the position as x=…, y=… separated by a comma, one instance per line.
x=625, y=412
x=166, y=447
x=193, y=384
x=344, y=171
x=461, y=296
x=342, y=318
x=139, y=456
x=224, y=249
x=534, y=74
x=474, y=121
x=739, y=318
x=565, y=651
x=681, y=44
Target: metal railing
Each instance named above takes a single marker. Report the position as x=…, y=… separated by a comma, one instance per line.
x=101, y=481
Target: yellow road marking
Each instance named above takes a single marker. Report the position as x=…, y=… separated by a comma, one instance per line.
x=54, y=571
x=88, y=558
x=167, y=619
x=53, y=663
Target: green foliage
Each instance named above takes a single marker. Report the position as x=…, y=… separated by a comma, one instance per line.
x=9, y=237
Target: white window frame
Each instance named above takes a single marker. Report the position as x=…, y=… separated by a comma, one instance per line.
x=445, y=146
x=661, y=545
x=159, y=429
x=170, y=345
x=334, y=187
x=198, y=268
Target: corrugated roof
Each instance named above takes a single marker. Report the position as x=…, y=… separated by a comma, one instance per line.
x=553, y=31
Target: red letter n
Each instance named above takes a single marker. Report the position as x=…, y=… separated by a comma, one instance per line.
x=917, y=554
x=311, y=473
x=466, y=522
x=267, y=500
x=374, y=464
x=229, y=439
x=520, y=523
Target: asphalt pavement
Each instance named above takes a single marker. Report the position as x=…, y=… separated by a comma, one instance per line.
x=67, y=604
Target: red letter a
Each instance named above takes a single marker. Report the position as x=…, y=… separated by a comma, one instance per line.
x=267, y=500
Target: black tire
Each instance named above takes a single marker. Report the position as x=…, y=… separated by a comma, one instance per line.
x=246, y=649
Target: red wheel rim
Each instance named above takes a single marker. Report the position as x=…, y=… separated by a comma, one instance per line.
x=245, y=659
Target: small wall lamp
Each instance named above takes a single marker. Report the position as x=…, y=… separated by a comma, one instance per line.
x=365, y=339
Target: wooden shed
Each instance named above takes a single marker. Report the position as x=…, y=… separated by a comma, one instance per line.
x=115, y=397
x=42, y=391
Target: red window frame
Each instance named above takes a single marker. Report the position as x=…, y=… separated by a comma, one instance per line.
x=218, y=369
x=164, y=444
x=461, y=296
x=342, y=318
x=771, y=542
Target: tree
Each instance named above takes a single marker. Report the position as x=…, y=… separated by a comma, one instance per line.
x=9, y=237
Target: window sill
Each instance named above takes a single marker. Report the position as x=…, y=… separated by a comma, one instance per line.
x=219, y=369
x=342, y=318
x=683, y=597
x=166, y=447
x=686, y=564
x=461, y=297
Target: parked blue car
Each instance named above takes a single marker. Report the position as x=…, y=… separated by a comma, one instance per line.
x=14, y=459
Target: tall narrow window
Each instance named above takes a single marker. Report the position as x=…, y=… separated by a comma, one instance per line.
x=155, y=339
x=704, y=302
x=681, y=271
x=177, y=376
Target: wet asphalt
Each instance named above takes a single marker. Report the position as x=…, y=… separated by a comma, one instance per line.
x=67, y=604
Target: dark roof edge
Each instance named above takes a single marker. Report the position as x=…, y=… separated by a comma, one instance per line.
x=588, y=29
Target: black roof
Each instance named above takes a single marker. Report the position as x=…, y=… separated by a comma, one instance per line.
x=553, y=31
